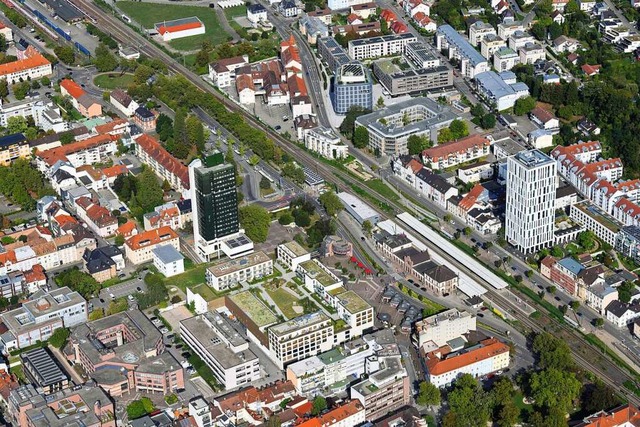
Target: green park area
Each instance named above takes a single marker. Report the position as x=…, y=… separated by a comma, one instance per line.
x=148, y=14
x=286, y=302
x=112, y=81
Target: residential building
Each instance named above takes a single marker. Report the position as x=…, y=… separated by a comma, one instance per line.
x=347, y=414
x=332, y=53
x=443, y=156
x=95, y=149
x=389, y=128
x=39, y=317
x=314, y=28
x=344, y=4
x=471, y=61
x=565, y=273
x=223, y=71
x=201, y=411
x=385, y=390
x=421, y=56
x=253, y=314
x=124, y=352
x=167, y=215
x=45, y=114
x=153, y=154
x=299, y=338
x=326, y=142
x=213, y=337
x=478, y=31
x=445, y=364
x=565, y=44
x=443, y=327
x=168, y=260
x=628, y=242
x=621, y=313
x=98, y=218
x=544, y=119
x=504, y=59
x=541, y=138
x=85, y=406
x=501, y=89
x=291, y=254
x=145, y=119
x=103, y=263
x=361, y=29
x=288, y=8
x=13, y=147
x=256, y=14
x=139, y=248
x=41, y=368
x=592, y=218
x=621, y=416
x=352, y=86
x=599, y=297
x=123, y=102
x=530, y=214
x=33, y=67
x=399, y=82
x=80, y=100
x=490, y=44
x=531, y=53
x=375, y=47
x=230, y=273
x=216, y=227
x=506, y=29
x=475, y=172
x=434, y=187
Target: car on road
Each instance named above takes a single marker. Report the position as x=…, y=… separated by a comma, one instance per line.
x=185, y=354
x=131, y=298
x=139, y=289
x=278, y=127
x=121, y=276
x=164, y=330
x=557, y=298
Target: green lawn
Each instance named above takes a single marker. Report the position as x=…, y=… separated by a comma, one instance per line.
x=284, y=300
x=113, y=81
x=148, y=14
x=189, y=278
x=234, y=12
x=380, y=187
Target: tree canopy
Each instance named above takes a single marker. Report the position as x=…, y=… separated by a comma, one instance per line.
x=331, y=203
x=256, y=221
x=59, y=337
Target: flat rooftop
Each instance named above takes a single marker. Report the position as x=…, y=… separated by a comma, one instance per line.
x=353, y=302
x=533, y=158
x=295, y=248
x=258, y=312
x=204, y=291
x=603, y=218
x=231, y=266
x=300, y=322
x=314, y=270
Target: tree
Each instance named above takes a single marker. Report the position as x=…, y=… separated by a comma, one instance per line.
x=625, y=291
x=302, y=218
x=265, y=184
x=285, y=219
x=65, y=54
x=117, y=306
x=17, y=124
x=428, y=394
x=416, y=144
x=574, y=305
x=149, y=193
x=164, y=127
x=274, y=421
x=319, y=405
x=552, y=352
x=468, y=402
x=360, y=137
x=59, y=337
x=367, y=227
x=96, y=314
x=331, y=203
x=524, y=106
x=79, y=281
x=488, y=121
x=254, y=159
x=458, y=129
x=20, y=90
x=104, y=60
x=195, y=132
x=587, y=239
x=296, y=174
x=599, y=322
x=143, y=73
x=557, y=252
x=140, y=408
x=444, y=135
x=256, y=221
x=508, y=415
x=597, y=397
x=467, y=231
x=553, y=388
x=380, y=102
x=347, y=125
x=4, y=89
x=34, y=83
x=478, y=110
x=119, y=240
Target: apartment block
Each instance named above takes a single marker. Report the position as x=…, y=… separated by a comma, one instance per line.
x=152, y=153
x=230, y=273
x=291, y=254
x=375, y=47
x=471, y=61
x=299, y=338
x=326, y=142
x=443, y=327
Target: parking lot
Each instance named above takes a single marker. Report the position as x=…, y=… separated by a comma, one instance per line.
x=175, y=315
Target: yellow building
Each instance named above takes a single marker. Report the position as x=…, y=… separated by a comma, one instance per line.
x=13, y=147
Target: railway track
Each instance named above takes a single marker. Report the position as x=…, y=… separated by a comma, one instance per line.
x=128, y=36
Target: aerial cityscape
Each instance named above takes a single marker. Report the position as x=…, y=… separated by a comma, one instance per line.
x=319, y=213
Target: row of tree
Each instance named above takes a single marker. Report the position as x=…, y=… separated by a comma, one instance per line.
x=182, y=136
x=23, y=184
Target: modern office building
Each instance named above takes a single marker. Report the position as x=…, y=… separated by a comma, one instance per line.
x=471, y=61
x=390, y=127
x=375, y=47
x=300, y=338
x=352, y=86
x=216, y=226
x=400, y=82
x=214, y=339
x=530, y=205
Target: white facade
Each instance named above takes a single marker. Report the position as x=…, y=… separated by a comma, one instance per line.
x=233, y=272
x=478, y=31
x=291, y=254
x=489, y=45
x=344, y=4
x=504, y=59
x=168, y=260
x=531, y=52
x=299, y=338
x=38, y=67
x=326, y=142
x=443, y=327
x=471, y=61
x=376, y=47
x=529, y=214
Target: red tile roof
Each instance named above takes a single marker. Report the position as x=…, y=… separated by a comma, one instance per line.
x=541, y=114
x=352, y=18
x=470, y=199
x=111, y=126
x=461, y=146
x=590, y=70
x=297, y=87
x=34, y=61
x=151, y=237
x=127, y=229
x=60, y=153
x=156, y=151
x=74, y=90
x=181, y=27
x=415, y=165
x=399, y=27
x=622, y=416
x=388, y=15
x=115, y=170
x=36, y=274
x=490, y=348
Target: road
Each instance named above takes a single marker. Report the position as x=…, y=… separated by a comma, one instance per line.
x=121, y=32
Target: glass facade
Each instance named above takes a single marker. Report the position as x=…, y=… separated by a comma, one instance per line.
x=217, y=201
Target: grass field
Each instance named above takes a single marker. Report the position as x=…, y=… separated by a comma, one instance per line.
x=234, y=12
x=113, y=81
x=284, y=300
x=148, y=14
x=189, y=278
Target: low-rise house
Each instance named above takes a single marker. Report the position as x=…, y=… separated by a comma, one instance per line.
x=449, y=154
x=544, y=119
x=80, y=99
x=475, y=172
x=434, y=187
x=99, y=219
x=223, y=71
x=168, y=260
x=565, y=44
x=123, y=102
x=620, y=314
x=167, y=167
x=145, y=119
x=104, y=263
